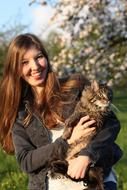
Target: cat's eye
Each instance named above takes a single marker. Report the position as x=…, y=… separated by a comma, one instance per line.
x=103, y=95
x=93, y=99
x=99, y=96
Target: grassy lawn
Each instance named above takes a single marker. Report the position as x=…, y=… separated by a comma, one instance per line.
x=121, y=168
x=11, y=178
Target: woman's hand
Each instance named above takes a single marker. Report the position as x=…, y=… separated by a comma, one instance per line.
x=78, y=166
x=82, y=129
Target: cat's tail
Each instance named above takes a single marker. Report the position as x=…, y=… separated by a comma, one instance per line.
x=94, y=178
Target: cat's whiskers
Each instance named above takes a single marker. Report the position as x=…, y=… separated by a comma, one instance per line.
x=113, y=106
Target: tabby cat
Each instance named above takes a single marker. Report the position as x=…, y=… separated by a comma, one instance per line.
x=95, y=101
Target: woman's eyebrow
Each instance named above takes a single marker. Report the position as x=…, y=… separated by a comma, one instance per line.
x=38, y=54
x=24, y=60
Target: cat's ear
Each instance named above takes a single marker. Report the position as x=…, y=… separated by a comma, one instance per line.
x=95, y=86
x=110, y=83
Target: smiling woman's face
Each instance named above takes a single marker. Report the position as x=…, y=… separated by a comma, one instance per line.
x=34, y=67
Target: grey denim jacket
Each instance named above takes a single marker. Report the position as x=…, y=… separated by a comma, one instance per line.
x=33, y=149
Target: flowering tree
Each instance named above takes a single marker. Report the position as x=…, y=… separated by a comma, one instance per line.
x=93, y=38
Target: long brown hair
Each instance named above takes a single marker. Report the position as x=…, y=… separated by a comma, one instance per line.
x=12, y=84
x=13, y=87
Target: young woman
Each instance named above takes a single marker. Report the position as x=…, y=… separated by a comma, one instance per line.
x=33, y=102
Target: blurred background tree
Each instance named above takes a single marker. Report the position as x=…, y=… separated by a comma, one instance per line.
x=92, y=38
x=7, y=32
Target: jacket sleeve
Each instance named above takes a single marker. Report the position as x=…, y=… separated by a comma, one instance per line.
x=29, y=157
x=99, y=146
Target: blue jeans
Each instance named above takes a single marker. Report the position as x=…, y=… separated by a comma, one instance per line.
x=110, y=182
x=110, y=185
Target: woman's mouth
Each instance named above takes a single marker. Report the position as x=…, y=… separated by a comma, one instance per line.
x=36, y=75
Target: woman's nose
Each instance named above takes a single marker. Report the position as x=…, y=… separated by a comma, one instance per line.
x=34, y=64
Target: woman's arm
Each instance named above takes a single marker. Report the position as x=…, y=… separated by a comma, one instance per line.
x=29, y=157
x=96, y=149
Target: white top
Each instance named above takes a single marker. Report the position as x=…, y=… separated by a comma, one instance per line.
x=66, y=183
x=62, y=183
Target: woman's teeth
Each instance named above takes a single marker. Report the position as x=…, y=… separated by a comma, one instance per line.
x=36, y=74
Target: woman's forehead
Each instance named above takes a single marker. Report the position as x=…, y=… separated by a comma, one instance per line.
x=31, y=52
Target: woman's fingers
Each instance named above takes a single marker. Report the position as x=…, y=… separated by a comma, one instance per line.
x=77, y=166
x=84, y=119
x=88, y=124
x=82, y=129
x=87, y=131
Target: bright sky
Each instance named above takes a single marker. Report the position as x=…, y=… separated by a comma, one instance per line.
x=19, y=11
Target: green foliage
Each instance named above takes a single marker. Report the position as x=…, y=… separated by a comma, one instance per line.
x=121, y=168
x=14, y=181
x=2, y=57
x=11, y=178
x=6, y=35
x=53, y=44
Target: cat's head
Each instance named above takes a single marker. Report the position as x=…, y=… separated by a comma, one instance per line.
x=97, y=96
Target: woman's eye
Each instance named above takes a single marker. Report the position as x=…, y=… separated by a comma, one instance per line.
x=40, y=56
x=25, y=62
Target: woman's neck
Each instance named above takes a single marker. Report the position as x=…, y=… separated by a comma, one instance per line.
x=38, y=94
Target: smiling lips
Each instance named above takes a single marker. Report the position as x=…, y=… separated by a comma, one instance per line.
x=36, y=75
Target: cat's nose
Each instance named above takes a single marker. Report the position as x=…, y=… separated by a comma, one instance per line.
x=105, y=101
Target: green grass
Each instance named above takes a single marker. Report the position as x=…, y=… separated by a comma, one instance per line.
x=11, y=178
x=121, y=167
